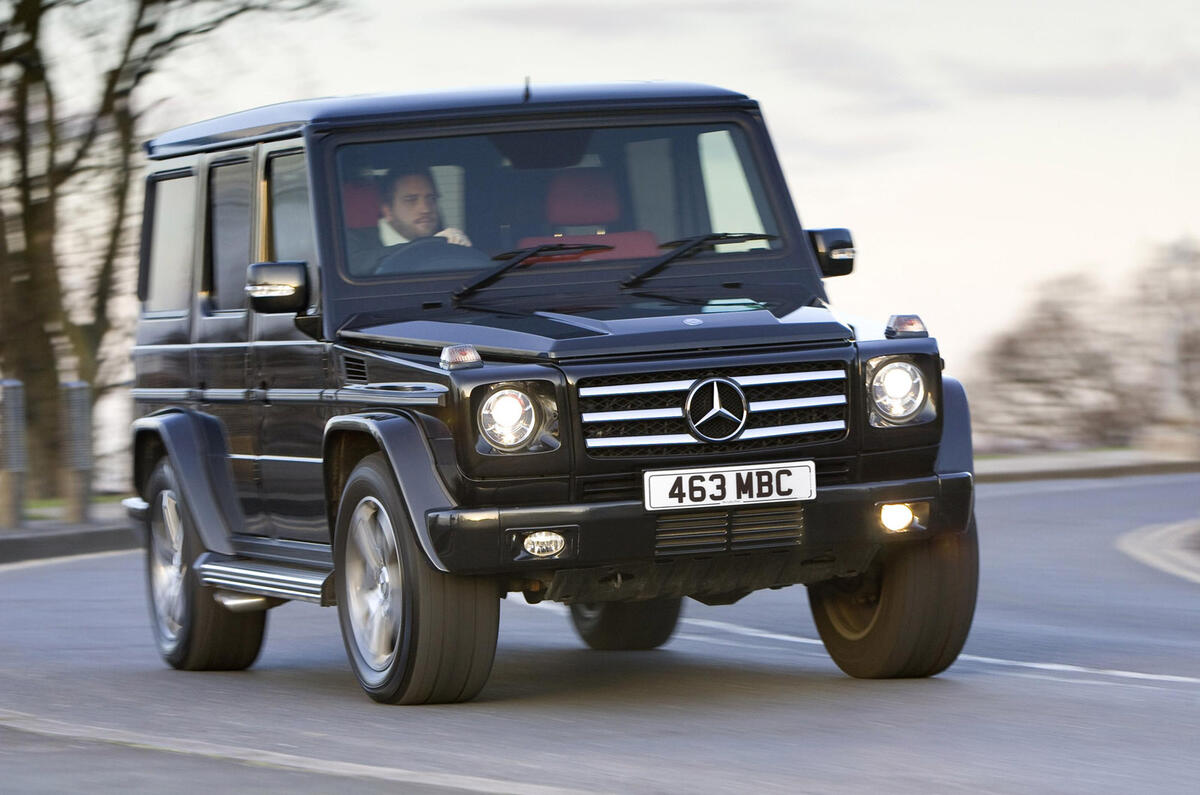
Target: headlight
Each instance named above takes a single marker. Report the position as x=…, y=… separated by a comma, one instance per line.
x=507, y=418
x=898, y=390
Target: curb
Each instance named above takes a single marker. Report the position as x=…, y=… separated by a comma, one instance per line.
x=1170, y=548
x=25, y=544
x=1152, y=468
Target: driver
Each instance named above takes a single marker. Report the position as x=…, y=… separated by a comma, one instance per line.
x=408, y=203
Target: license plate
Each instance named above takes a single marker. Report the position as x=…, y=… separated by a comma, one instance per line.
x=740, y=485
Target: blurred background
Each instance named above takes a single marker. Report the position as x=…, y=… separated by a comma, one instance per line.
x=1025, y=176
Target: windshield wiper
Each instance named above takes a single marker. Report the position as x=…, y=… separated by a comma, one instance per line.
x=514, y=258
x=685, y=248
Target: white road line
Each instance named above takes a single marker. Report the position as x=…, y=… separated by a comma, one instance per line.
x=33, y=564
x=53, y=728
x=751, y=632
x=1163, y=547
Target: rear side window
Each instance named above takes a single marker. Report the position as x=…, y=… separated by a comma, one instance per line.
x=229, y=187
x=172, y=229
x=291, y=221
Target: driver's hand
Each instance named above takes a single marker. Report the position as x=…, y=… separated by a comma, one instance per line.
x=456, y=236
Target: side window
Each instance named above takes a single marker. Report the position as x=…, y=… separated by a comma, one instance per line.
x=291, y=222
x=169, y=273
x=229, y=189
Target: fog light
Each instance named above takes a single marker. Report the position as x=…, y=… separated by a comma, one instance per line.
x=896, y=517
x=544, y=544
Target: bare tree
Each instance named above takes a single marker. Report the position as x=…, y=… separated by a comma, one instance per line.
x=47, y=152
x=1058, y=377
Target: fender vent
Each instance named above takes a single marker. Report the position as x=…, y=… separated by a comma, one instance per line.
x=354, y=370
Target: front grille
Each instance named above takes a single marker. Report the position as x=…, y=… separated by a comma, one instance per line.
x=642, y=414
x=711, y=531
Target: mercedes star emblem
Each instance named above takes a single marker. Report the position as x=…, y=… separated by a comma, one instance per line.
x=716, y=409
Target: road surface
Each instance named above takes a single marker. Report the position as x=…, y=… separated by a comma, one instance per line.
x=1082, y=674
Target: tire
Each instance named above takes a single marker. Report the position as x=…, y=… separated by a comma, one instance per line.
x=193, y=631
x=414, y=635
x=908, y=616
x=626, y=626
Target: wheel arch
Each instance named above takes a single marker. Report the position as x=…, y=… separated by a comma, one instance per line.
x=351, y=437
x=955, y=451
x=195, y=444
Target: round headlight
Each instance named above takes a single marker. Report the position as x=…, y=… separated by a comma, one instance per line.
x=507, y=418
x=898, y=390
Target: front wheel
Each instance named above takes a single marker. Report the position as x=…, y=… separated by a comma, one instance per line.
x=414, y=635
x=906, y=616
x=626, y=626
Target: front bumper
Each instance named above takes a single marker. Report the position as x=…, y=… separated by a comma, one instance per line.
x=840, y=530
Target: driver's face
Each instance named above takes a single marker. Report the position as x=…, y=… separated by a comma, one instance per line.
x=413, y=210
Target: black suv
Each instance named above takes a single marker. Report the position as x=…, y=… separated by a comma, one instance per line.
x=407, y=354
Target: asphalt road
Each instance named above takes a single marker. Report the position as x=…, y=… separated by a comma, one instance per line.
x=1082, y=674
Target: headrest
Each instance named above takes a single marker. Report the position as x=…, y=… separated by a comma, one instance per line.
x=360, y=201
x=582, y=196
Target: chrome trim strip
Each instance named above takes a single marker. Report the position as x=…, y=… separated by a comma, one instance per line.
x=231, y=344
x=629, y=441
x=295, y=395
x=408, y=394
x=753, y=433
x=798, y=403
x=789, y=430
x=742, y=380
x=223, y=395
x=166, y=394
x=632, y=389
x=789, y=378
x=633, y=414
x=288, y=458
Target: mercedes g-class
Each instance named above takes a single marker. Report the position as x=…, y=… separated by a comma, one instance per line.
x=406, y=355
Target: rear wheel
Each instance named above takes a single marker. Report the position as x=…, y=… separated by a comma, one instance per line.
x=626, y=626
x=414, y=635
x=908, y=615
x=193, y=631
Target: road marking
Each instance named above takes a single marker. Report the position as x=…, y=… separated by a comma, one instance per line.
x=1164, y=547
x=33, y=564
x=752, y=632
x=47, y=727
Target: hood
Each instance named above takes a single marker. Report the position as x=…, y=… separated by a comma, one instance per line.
x=550, y=335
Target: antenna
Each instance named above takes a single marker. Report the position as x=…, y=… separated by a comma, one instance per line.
x=526, y=88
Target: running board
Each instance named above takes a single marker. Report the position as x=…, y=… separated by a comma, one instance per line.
x=262, y=578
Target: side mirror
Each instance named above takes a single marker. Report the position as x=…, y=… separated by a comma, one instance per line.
x=834, y=249
x=276, y=287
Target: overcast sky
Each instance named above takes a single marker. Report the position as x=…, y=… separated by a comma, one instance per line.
x=973, y=149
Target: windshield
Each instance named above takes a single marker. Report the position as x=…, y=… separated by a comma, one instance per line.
x=609, y=193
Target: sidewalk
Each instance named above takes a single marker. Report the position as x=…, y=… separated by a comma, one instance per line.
x=44, y=536
x=109, y=528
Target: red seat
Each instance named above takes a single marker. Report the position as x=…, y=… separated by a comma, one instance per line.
x=582, y=202
x=360, y=203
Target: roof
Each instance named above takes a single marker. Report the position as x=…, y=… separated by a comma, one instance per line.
x=288, y=119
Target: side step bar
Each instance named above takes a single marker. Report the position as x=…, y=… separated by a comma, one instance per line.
x=262, y=578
